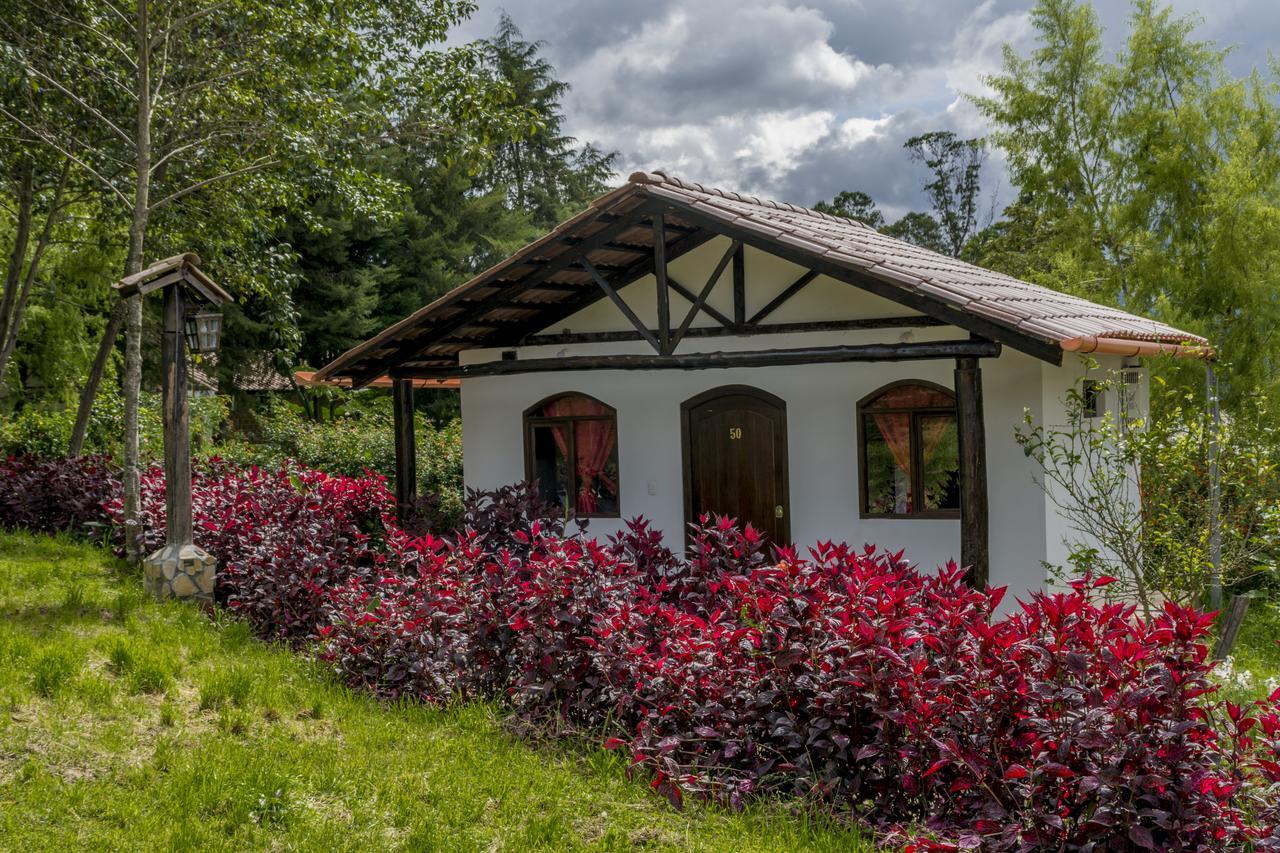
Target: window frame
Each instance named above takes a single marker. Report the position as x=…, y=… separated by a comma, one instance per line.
x=917, y=462
x=532, y=420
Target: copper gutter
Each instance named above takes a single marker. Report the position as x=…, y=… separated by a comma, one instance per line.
x=1125, y=346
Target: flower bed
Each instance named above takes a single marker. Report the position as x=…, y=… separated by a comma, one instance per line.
x=843, y=677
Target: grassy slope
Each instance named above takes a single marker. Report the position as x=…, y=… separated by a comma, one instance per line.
x=126, y=725
x=1257, y=649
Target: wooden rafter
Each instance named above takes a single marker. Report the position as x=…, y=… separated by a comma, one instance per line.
x=621, y=305
x=1041, y=348
x=503, y=296
x=557, y=312
x=777, y=301
x=700, y=302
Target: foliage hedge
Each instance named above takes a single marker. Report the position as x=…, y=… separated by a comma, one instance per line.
x=843, y=677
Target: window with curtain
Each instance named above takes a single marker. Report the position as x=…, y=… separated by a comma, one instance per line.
x=571, y=454
x=909, y=452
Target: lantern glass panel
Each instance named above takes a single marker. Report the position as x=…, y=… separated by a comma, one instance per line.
x=203, y=331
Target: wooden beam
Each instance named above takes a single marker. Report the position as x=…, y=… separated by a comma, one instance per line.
x=503, y=295
x=660, y=276
x=701, y=302
x=790, y=291
x=1042, y=348
x=406, y=447
x=974, y=530
x=621, y=305
x=693, y=297
x=915, y=321
x=739, y=286
x=177, y=434
x=716, y=360
x=557, y=312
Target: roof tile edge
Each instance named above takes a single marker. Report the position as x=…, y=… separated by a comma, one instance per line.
x=659, y=177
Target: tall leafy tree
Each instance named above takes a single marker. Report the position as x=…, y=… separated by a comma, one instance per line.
x=161, y=100
x=922, y=230
x=460, y=212
x=853, y=204
x=1151, y=180
x=543, y=172
x=955, y=186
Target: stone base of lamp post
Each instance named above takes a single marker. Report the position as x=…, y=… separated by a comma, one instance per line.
x=180, y=571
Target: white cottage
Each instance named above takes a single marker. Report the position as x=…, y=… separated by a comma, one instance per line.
x=677, y=349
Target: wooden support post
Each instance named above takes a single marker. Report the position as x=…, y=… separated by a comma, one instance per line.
x=177, y=433
x=406, y=447
x=739, y=287
x=660, y=275
x=974, y=551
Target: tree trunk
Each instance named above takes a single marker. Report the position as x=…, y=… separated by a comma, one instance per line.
x=18, y=253
x=9, y=331
x=90, y=391
x=133, y=313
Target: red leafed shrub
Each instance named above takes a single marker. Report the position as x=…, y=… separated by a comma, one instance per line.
x=56, y=495
x=844, y=677
x=847, y=678
x=282, y=538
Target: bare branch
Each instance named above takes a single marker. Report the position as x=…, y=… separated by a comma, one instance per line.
x=47, y=140
x=256, y=166
x=82, y=102
x=191, y=18
x=106, y=38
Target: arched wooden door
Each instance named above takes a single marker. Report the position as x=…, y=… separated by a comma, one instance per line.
x=735, y=458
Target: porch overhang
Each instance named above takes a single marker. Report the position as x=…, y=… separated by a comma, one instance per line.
x=640, y=228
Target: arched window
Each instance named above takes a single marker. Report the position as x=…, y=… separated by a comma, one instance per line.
x=909, y=452
x=571, y=454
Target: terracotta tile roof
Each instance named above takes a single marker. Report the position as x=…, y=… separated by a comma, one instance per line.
x=546, y=282
x=981, y=292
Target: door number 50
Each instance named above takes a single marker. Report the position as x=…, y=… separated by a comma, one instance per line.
x=735, y=433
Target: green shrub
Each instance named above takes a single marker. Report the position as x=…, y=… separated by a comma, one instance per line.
x=361, y=437
x=45, y=432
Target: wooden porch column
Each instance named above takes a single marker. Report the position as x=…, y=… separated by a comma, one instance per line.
x=406, y=447
x=973, y=472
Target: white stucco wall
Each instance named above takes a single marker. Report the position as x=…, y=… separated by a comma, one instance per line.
x=821, y=423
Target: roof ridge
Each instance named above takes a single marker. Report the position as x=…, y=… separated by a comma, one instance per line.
x=659, y=176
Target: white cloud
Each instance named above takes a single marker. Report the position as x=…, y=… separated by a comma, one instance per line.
x=794, y=100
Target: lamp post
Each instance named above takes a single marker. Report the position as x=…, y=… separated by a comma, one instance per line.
x=180, y=569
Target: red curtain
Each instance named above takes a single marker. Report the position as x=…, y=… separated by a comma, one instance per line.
x=895, y=427
x=593, y=441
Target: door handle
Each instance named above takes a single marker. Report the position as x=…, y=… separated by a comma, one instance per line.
x=777, y=511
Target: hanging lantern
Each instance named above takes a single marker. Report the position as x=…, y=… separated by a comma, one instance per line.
x=202, y=331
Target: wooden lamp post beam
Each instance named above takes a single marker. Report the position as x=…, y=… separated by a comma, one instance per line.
x=177, y=429
x=974, y=529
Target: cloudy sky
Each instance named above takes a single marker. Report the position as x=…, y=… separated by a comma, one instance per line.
x=799, y=100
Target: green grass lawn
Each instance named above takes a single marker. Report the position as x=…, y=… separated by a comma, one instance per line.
x=1256, y=656
x=126, y=724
